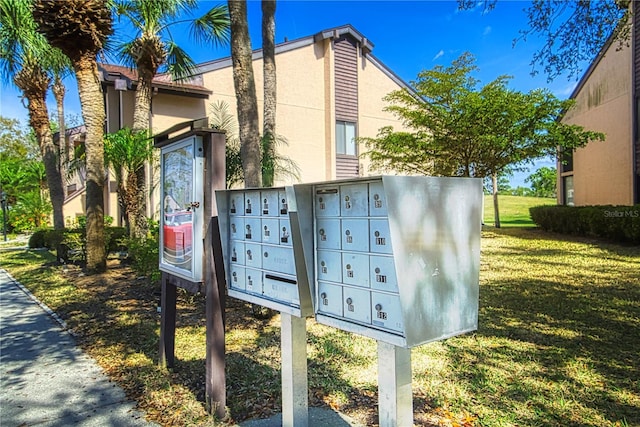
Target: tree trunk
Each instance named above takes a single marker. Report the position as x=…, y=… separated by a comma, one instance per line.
x=245, y=88
x=63, y=149
x=94, y=115
x=496, y=211
x=269, y=71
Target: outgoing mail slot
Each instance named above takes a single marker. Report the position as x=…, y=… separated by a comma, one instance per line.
x=236, y=204
x=327, y=201
x=252, y=229
x=355, y=235
x=386, y=311
x=354, y=200
x=252, y=203
x=278, y=258
x=283, y=204
x=355, y=269
x=329, y=299
x=382, y=273
x=284, y=232
x=236, y=253
x=269, y=203
x=237, y=277
x=253, y=255
x=329, y=266
x=253, y=281
x=281, y=288
x=270, y=230
x=236, y=228
x=377, y=199
x=328, y=233
x=356, y=304
x=379, y=239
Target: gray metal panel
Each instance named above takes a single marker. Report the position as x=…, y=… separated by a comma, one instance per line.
x=328, y=233
x=236, y=228
x=379, y=237
x=278, y=259
x=382, y=273
x=354, y=200
x=284, y=232
x=253, y=281
x=357, y=304
x=238, y=277
x=329, y=298
x=355, y=269
x=327, y=201
x=355, y=234
x=253, y=255
x=252, y=203
x=386, y=311
x=329, y=265
x=377, y=199
x=270, y=231
x=269, y=203
x=252, y=229
x=438, y=253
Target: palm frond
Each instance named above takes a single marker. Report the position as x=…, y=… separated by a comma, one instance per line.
x=212, y=27
x=179, y=64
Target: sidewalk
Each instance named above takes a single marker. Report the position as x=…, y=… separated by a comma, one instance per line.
x=45, y=379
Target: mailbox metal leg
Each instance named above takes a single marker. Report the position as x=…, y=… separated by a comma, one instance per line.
x=395, y=399
x=295, y=411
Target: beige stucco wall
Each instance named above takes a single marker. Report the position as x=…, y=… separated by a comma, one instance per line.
x=602, y=171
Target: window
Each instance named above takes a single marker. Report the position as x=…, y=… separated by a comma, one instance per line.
x=346, y=138
x=567, y=188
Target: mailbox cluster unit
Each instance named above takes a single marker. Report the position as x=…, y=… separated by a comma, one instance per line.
x=394, y=258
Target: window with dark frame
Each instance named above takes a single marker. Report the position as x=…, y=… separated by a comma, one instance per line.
x=346, y=138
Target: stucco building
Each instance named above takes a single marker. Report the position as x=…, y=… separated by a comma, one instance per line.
x=607, y=100
x=330, y=89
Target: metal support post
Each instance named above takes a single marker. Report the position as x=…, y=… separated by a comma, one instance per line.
x=395, y=399
x=295, y=411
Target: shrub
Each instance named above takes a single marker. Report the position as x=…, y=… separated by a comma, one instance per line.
x=619, y=223
x=144, y=253
x=37, y=239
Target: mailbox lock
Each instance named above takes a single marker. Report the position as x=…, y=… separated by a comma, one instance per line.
x=378, y=307
x=349, y=301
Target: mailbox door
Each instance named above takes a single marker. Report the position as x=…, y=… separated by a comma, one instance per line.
x=237, y=277
x=354, y=200
x=278, y=259
x=253, y=281
x=236, y=228
x=329, y=266
x=252, y=203
x=327, y=201
x=269, y=203
x=283, y=204
x=252, y=230
x=253, y=255
x=379, y=237
x=377, y=199
x=281, y=288
x=356, y=304
x=355, y=235
x=382, y=273
x=386, y=312
x=236, y=203
x=284, y=232
x=329, y=299
x=328, y=233
x=236, y=253
x=355, y=269
x=270, y=231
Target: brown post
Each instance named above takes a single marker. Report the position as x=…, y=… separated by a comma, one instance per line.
x=167, y=323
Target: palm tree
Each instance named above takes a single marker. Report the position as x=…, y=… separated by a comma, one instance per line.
x=270, y=100
x=153, y=50
x=245, y=88
x=79, y=28
x=28, y=61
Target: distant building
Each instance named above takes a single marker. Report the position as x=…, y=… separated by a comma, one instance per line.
x=330, y=90
x=607, y=100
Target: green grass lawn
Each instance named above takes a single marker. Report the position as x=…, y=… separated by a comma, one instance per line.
x=514, y=210
x=557, y=343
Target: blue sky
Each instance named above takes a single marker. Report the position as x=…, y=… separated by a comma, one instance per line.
x=408, y=36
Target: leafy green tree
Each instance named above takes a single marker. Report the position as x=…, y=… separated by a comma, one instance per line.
x=543, y=182
x=452, y=128
x=573, y=31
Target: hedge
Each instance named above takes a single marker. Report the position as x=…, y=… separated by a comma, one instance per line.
x=618, y=223
x=50, y=238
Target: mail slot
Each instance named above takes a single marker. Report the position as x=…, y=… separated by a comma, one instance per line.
x=252, y=203
x=283, y=204
x=329, y=265
x=236, y=204
x=237, y=277
x=284, y=232
x=354, y=200
x=281, y=288
x=355, y=235
x=355, y=269
x=278, y=259
x=382, y=273
x=379, y=237
x=329, y=298
x=386, y=311
x=253, y=281
x=328, y=233
x=327, y=201
x=236, y=253
x=269, y=203
x=253, y=255
x=270, y=230
x=377, y=199
x=356, y=304
x=236, y=228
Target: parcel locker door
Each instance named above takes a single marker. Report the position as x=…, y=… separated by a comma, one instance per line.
x=355, y=269
x=377, y=199
x=386, y=312
x=278, y=259
x=253, y=255
x=269, y=203
x=379, y=236
x=237, y=277
x=283, y=204
x=281, y=288
x=236, y=204
x=329, y=266
x=329, y=299
x=327, y=201
x=355, y=235
x=252, y=203
x=236, y=253
x=252, y=230
x=382, y=273
x=270, y=231
x=253, y=281
x=356, y=304
x=284, y=230
x=328, y=233
x=236, y=228
x=354, y=200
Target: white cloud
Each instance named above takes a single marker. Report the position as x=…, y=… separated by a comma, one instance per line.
x=438, y=55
